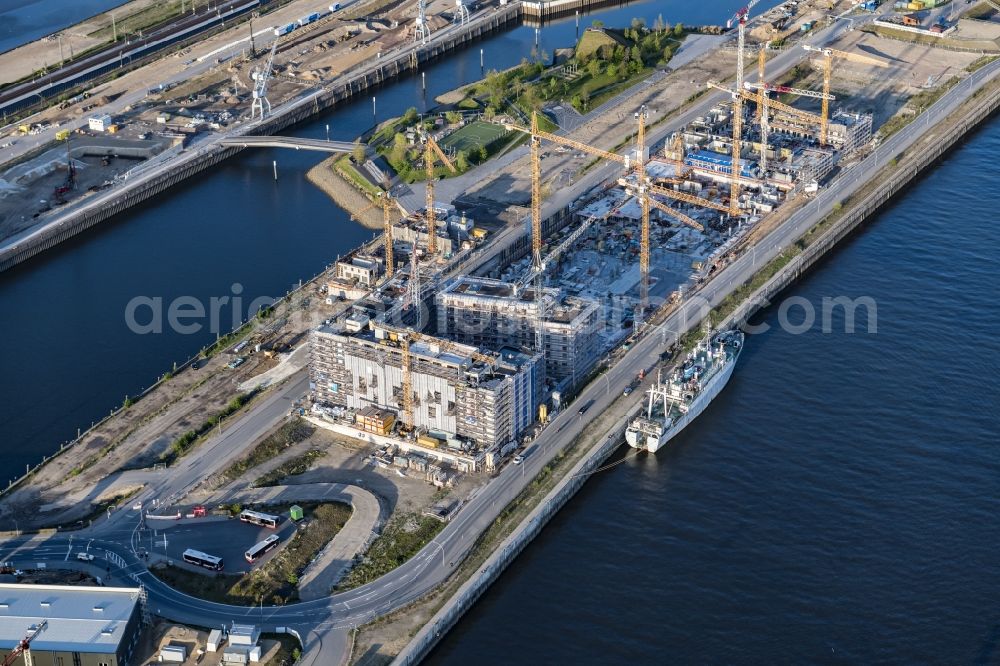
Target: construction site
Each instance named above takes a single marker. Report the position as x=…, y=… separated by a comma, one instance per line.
x=422, y=337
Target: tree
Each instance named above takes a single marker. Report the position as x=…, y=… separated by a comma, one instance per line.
x=398, y=153
x=594, y=68
x=453, y=117
x=411, y=115
x=462, y=161
x=490, y=113
x=679, y=30
x=358, y=152
x=658, y=24
x=638, y=24
x=612, y=69
x=483, y=154
x=597, y=23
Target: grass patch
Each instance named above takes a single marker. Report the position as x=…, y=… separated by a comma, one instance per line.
x=275, y=582
x=295, y=466
x=180, y=446
x=473, y=136
x=981, y=11
x=346, y=169
x=290, y=433
x=143, y=19
x=980, y=62
x=914, y=107
x=403, y=536
x=288, y=653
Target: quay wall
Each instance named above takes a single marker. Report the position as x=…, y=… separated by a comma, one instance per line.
x=293, y=112
x=908, y=169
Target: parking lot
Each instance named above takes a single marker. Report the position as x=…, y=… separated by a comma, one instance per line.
x=227, y=538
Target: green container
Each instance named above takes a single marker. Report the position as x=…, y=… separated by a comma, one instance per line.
x=295, y=512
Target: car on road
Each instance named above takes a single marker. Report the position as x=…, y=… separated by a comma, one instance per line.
x=587, y=406
x=85, y=557
x=518, y=459
x=628, y=389
x=137, y=506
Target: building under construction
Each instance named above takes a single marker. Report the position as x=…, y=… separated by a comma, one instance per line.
x=494, y=314
x=471, y=400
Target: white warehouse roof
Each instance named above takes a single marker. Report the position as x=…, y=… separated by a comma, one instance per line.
x=80, y=619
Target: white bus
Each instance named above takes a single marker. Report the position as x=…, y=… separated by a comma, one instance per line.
x=257, y=518
x=260, y=549
x=201, y=559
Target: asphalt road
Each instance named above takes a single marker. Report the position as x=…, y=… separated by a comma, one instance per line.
x=200, y=144
x=324, y=624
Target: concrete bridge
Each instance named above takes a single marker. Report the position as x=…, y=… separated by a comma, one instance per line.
x=287, y=142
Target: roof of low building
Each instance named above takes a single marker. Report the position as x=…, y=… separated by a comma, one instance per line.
x=79, y=619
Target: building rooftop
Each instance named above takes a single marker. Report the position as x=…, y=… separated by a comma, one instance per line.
x=80, y=619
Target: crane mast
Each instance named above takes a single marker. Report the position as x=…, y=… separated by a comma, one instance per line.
x=24, y=645
x=740, y=18
x=432, y=150
x=260, y=102
x=828, y=56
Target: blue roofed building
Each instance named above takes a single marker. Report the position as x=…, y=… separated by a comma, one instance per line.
x=708, y=160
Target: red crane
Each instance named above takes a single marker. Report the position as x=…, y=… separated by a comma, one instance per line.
x=24, y=645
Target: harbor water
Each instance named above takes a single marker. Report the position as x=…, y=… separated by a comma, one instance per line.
x=70, y=358
x=837, y=502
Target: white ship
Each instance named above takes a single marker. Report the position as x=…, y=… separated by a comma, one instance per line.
x=676, y=402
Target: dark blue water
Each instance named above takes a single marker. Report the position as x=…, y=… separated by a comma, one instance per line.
x=69, y=357
x=23, y=21
x=839, y=501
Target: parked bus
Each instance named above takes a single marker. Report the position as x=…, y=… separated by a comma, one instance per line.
x=257, y=518
x=199, y=558
x=258, y=551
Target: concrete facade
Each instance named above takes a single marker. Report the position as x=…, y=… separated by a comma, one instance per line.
x=489, y=313
x=455, y=391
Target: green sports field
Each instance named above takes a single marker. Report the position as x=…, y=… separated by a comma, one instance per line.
x=473, y=135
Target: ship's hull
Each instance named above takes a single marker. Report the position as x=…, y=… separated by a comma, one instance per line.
x=640, y=440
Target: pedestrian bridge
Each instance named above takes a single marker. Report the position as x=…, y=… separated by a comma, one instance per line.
x=287, y=142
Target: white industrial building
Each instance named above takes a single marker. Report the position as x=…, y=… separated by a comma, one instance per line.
x=78, y=626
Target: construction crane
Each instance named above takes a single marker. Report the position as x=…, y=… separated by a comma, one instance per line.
x=740, y=18
x=385, y=202
x=640, y=172
x=536, y=136
x=432, y=150
x=260, y=77
x=570, y=143
x=829, y=54
x=24, y=646
x=764, y=103
x=405, y=338
x=536, y=231
x=690, y=198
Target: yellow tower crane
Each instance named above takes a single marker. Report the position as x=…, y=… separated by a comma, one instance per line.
x=761, y=60
x=390, y=262
x=537, y=136
x=432, y=150
x=405, y=338
x=734, y=182
x=828, y=56
x=386, y=203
